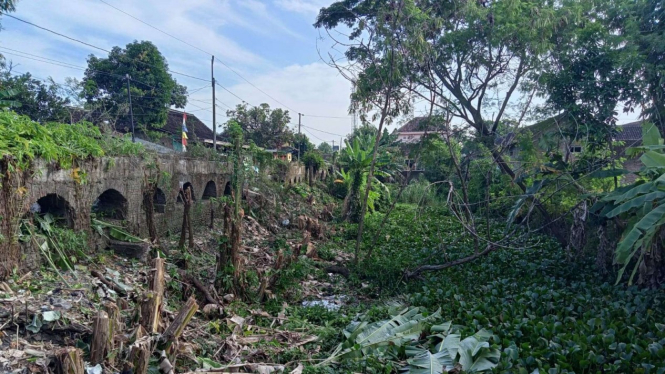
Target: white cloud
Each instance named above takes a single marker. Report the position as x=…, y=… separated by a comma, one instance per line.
x=308, y=7
x=312, y=88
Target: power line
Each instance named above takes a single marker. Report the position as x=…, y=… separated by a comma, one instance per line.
x=221, y=102
x=229, y=91
x=311, y=115
x=314, y=135
x=252, y=84
x=199, y=49
x=71, y=66
x=156, y=28
x=96, y=47
x=325, y=132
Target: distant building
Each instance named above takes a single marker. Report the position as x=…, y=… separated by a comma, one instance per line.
x=171, y=132
x=415, y=129
x=197, y=131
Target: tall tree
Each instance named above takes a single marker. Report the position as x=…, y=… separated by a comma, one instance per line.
x=301, y=144
x=468, y=58
x=267, y=128
x=642, y=25
x=325, y=148
x=38, y=100
x=152, y=87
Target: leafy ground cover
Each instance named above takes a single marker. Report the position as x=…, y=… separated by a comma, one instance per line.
x=544, y=313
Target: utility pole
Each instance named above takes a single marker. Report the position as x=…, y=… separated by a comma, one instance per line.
x=214, y=105
x=299, y=123
x=131, y=112
x=333, y=145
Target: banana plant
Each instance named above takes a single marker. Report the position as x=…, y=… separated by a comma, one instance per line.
x=355, y=161
x=427, y=348
x=642, y=204
x=5, y=99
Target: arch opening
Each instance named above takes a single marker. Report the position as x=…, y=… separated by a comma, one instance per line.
x=227, y=189
x=210, y=191
x=181, y=194
x=57, y=207
x=110, y=204
x=159, y=201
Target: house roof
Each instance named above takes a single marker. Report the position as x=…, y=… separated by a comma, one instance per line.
x=419, y=124
x=196, y=128
x=630, y=131
x=173, y=126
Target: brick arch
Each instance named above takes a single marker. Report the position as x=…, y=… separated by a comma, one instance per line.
x=180, y=198
x=159, y=201
x=210, y=190
x=55, y=205
x=228, y=190
x=111, y=204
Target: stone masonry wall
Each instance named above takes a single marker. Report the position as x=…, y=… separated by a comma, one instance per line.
x=123, y=179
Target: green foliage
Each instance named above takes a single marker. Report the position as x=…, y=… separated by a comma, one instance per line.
x=267, y=128
x=6, y=101
x=313, y=160
x=36, y=99
x=302, y=144
x=325, y=148
x=152, y=87
x=435, y=157
x=545, y=313
x=642, y=204
x=413, y=335
x=23, y=140
x=355, y=161
x=420, y=192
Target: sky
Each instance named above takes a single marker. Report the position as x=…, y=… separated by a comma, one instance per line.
x=270, y=43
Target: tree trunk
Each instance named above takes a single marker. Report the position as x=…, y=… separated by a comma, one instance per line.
x=175, y=329
x=69, y=360
x=100, y=338
x=186, y=219
x=149, y=207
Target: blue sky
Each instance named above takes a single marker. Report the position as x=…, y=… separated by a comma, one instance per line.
x=271, y=43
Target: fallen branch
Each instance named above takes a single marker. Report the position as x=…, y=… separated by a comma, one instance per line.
x=108, y=283
x=199, y=286
x=173, y=332
x=413, y=274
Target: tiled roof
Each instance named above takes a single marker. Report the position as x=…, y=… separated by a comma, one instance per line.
x=418, y=124
x=196, y=130
x=630, y=131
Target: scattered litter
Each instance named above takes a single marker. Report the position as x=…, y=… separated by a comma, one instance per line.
x=332, y=303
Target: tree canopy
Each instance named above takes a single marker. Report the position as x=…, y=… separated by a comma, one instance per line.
x=152, y=87
x=325, y=148
x=267, y=128
x=40, y=101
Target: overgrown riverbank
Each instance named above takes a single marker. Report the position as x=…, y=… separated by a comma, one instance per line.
x=544, y=312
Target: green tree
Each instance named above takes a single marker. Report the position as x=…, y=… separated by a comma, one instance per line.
x=267, y=128
x=302, y=145
x=325, y=148
x=39, y=101
x=152, y=87
x=641, y=24
x=585, y=77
